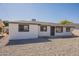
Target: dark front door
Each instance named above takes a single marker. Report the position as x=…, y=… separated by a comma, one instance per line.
x=52, y=31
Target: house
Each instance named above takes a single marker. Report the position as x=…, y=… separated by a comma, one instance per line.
x=1, y=27
x=35, y=29
x=76, y=25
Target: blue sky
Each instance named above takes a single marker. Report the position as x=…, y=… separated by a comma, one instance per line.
x=43, y=12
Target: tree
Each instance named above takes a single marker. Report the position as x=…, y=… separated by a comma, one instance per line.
x=64, y=22
x=6, y=23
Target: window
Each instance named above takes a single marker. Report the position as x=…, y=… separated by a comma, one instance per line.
x=67, y=29
x=23, y=28
x=43, y=28
x=59, y=29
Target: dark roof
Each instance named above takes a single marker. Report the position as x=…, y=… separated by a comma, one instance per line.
x=40, y=23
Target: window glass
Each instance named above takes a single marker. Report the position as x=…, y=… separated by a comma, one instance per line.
x=23, y=28
x=43, y=28
x=59, y=29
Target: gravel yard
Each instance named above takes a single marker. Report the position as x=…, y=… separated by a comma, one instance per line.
x=42, y=47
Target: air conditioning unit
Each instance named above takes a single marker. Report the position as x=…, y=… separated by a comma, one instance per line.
x=33, y=19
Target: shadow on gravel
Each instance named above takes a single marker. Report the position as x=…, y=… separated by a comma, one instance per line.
x=38, y=40
x=65, y=37
x=28, y=41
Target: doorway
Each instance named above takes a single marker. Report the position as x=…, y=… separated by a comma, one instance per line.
x=52, y=31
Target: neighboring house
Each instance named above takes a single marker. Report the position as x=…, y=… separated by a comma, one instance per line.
x=75, y=25
x=35, y=29
x=1, y=27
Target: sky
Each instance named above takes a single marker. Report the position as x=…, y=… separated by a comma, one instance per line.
x=50, y=12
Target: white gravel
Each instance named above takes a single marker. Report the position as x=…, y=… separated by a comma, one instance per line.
x=54, y=47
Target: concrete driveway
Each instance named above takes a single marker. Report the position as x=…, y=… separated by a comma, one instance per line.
x=43, y=47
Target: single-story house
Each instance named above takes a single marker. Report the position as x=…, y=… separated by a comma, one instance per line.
x=35, y=29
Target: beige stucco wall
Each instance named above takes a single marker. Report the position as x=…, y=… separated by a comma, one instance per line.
x=44, y=33
x=15, y=34
x=64, y=33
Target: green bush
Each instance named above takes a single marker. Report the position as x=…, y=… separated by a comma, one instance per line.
x=64, y=22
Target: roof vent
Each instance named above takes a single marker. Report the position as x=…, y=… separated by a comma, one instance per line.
x=33, y=19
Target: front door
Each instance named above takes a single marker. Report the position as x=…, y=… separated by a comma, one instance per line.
x=52, y=31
